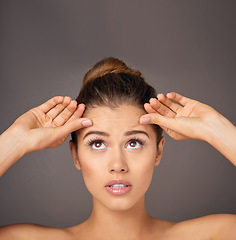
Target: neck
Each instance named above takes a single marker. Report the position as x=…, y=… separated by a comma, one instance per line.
x=122, y=224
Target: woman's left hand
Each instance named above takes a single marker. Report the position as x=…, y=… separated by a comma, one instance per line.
x=180, y=117
x=183, y=118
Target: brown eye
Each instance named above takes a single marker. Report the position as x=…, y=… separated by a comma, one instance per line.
x=133, y=144
x=97, y=145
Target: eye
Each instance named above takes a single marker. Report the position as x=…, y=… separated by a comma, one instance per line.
x=134, y=144
x=97, y=145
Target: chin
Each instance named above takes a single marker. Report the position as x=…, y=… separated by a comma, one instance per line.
x=120, y=203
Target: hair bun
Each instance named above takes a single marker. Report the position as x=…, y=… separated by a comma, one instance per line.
x=108, y=65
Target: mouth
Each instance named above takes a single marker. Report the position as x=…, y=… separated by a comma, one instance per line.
x=118, y=187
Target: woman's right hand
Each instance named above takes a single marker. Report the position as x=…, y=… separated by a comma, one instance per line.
x=49, y=124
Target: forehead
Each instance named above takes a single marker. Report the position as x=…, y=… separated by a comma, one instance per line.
x=123, y=112
x=120, y=119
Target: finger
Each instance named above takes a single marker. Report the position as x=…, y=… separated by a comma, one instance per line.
x=178, y=98
x=74, y=116
x=72, y=126
x=66, y=114
x=55, y=111
x=161, y=108
x=164, y=122
x=51, y=103
x=178, y=125
x=78, y=112
x=155, y=118
x=175, y=107
x=149, y=108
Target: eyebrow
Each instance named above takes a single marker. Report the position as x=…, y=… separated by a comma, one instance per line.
x=97, y=133
x=133, y=132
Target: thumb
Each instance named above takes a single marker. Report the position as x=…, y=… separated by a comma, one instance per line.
x=188, y=129
x=164, y=122
x=72, y=126
x=156, y=118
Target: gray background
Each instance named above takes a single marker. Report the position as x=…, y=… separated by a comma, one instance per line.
x=184, y=46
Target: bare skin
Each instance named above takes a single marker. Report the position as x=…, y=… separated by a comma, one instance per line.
x=184, y=122
x=48, y=126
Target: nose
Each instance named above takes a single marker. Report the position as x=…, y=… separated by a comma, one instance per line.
x=118, y=162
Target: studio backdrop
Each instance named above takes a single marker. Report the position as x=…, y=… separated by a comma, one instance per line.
x=46, y=47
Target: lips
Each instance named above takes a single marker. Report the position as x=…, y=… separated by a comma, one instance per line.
x=118, y=187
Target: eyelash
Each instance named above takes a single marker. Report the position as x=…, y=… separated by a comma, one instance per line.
x=91, y=141
x=138, y=140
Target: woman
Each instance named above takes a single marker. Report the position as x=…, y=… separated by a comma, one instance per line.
x=117, y=143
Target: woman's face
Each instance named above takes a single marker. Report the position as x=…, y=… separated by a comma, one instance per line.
x=117, y=156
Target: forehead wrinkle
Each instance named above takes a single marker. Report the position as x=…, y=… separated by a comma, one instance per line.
x=108, y=120
x=109, y=109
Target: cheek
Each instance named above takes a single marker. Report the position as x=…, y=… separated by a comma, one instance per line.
x=87, y=171
x=92, y=170
x=90, y=176
x=141, y=176
x=145, y=171
x=143, y=168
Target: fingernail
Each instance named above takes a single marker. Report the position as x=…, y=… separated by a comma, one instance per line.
x=151, y=99
x=145, y=120
x=87, y=123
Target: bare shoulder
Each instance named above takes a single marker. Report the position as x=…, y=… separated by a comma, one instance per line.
x=217, y=227
x=32, y=231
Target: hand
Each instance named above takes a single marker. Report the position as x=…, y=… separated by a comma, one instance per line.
x=180, y=117
x=49, y=124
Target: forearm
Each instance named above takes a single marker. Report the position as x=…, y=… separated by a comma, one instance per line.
x=222, y=136
x=11, y=149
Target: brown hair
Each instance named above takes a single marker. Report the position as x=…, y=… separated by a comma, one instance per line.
x=112, y=83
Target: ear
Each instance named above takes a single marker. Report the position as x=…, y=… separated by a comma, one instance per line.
x=74, y=154
x=160, y=151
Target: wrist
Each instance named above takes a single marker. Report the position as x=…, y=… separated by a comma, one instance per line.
x=222, y=136
x=15, y=138
x=219, y=129
x=12, y=149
